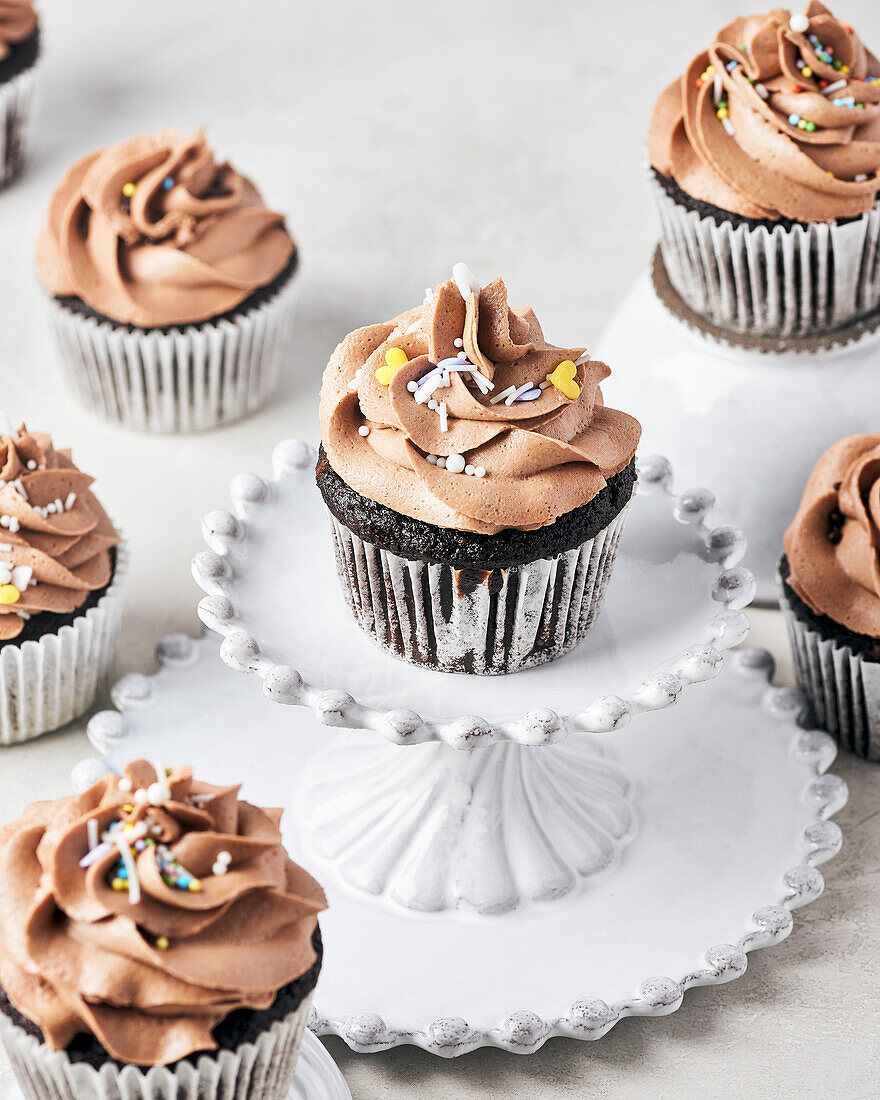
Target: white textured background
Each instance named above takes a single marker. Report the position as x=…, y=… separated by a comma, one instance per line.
x=400, y=137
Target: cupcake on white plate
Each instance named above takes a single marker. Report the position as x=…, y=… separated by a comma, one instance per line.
x=170, y=284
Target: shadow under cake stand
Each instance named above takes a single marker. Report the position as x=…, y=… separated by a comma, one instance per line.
x=749, y=415
x=499, y=869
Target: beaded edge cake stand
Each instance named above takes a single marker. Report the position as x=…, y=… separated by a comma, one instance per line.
x=753, y=798
x=241, y=550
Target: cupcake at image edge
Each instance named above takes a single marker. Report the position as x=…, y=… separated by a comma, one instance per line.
x=765, y=162
x=155, y=940
x=829, y=581
x=170, y=284
x=476, y=483
x=61, y=571
x=19, y=57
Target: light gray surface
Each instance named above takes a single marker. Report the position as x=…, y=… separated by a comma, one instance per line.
x=401, y=137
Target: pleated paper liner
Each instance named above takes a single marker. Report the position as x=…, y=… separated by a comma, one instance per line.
x=843, y=687
x=786, y=283
x=771, y=345
x=47, y=682
x=476, y=621
x=16, y=108
x=179, y=379
x=262, y=1070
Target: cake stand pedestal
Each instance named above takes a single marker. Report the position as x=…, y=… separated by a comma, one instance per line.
x=500, y=869
x=752, y=423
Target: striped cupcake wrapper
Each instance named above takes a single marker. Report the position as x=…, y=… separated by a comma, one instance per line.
x=843, y=687
x=801, y=281
x=177, y=380
x=16, y=108
x=262, y=1070
x=476, y=621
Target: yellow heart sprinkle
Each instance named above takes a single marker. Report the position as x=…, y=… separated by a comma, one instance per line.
x=563, y=380
x=9, y=593
x=395, y=358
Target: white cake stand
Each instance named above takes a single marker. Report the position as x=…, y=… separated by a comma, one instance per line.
x=730, y=805
x=751, y=423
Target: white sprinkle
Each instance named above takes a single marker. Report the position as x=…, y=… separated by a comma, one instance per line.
x=432, y=405
x=125, y=784
x=21, y=577
x=219, y=868
x=19, y=488
x=4, y=521
x=141, y=796
x=459, y=343
x=502, y=396
x=465, y=280
x=158, y=793
x=225, y=858
x=363, y=430
x=455, y=464
x=92, y=831
x=519, y=390
x=718, y=88
x=860, y=178
x=441, y=463
x=728, y=126
x=50, y=509
x=59, y=507
x=469, y=469
x=432, y=459
x=69, y=503
x=834, y=87
x=480, y=471
x=31, y=464
x=444, y=423
x=416, y=326
x=412, y=386
x=13, y=524
x=134, y=886
x=584, y=357
x=429, y=294
x=462, y=355
x=426, y=389
x=762, y=91
x=800, y=24
x=544, y=385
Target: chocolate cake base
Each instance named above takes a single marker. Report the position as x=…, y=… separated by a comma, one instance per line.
x=241, y=1026
x=46, y=622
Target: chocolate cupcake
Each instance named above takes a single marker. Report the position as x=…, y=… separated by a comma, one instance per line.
x=477, y=484
x=830, y=592
x=765, y=163
x=61, y=571
x=19, y=57
x=170, y=284
x=155, y=940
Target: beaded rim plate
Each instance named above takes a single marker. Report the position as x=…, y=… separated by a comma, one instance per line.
x=770, y=847
x=241, y=555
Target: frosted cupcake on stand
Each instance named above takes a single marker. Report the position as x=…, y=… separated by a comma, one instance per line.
x=170, y=284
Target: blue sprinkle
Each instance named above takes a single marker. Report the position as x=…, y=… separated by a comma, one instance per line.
x=794, y=119
x=184, y=881
x=121, y=872
x=731, y=65
x=167, y=183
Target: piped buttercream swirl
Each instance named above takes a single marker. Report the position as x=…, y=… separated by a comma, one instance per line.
x=460, y=414
x=155, y=232
x=779, y=118
x=150, y=975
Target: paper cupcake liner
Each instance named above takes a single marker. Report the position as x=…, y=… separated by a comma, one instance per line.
x=47, y=682
x=469, y=620
x=843, y=687
x=177, y=380
x=16, y=107
x=781, y=282
x=262, y=1070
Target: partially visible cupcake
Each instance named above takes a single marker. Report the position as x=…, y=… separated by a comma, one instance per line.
x=476, y=482
x=830, y=592
x=19, y=54
x=155, y=940
x=170, y=283
x=766, y=169
x=61, y=571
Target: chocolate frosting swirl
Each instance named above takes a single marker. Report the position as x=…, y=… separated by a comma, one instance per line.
x=833, y=542
x=55, y=538
x=782, y=126
x=18, y=21
x=543, y=453
x=154, y=232
x=150, y=977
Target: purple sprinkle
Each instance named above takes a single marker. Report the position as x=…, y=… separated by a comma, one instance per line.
x=139, y=845
x=529, y=395
x=731, y=65
x=95, y=853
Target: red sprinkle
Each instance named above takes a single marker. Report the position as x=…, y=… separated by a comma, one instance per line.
x=796, y=88
x=823, y=83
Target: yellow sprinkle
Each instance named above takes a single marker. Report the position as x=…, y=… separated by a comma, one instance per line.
x=830, y=175
x=127, y=808
x=195, y=886
x=807, y=72
x=128, y=189
x=9, y=593
x=844, y=69
x=119, y=884
x=563, y=380
x=395, y=358
x=162, y=943
x=722, y=112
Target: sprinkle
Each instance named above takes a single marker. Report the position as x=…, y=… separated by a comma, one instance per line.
x=412, y=386
x=728, y=126
x=465, y=280
x=799, y=24
x=119, y=884
x=167, y=183
x=809, y=127
x=718, y=88
x=19, y=488
x=195, y=886
x=426, y=388
x=162, y=943
x=731, y=65
x=469, y=469
x=158, y=793
x=92, y=833
x=141, y=797
x=458, y=342
x=860, y=178
x=806, y=72
x=134, y=886
x=69, y=502
x=224, y=857
x=480, y=471
x=395, y=358
x=530, y=395
x=9, y=594
x=128, y=189
x=432, y=405
x=363, y=430
x=219, y=869
x=444, y=421
x=95, y=853
x=518, y=391
x=455, y=464
x=432, y=459
x=563, y=379
x=796, y=89
x=32, y=465
x=441, y=462
x=503, y=395
x=762, y=91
